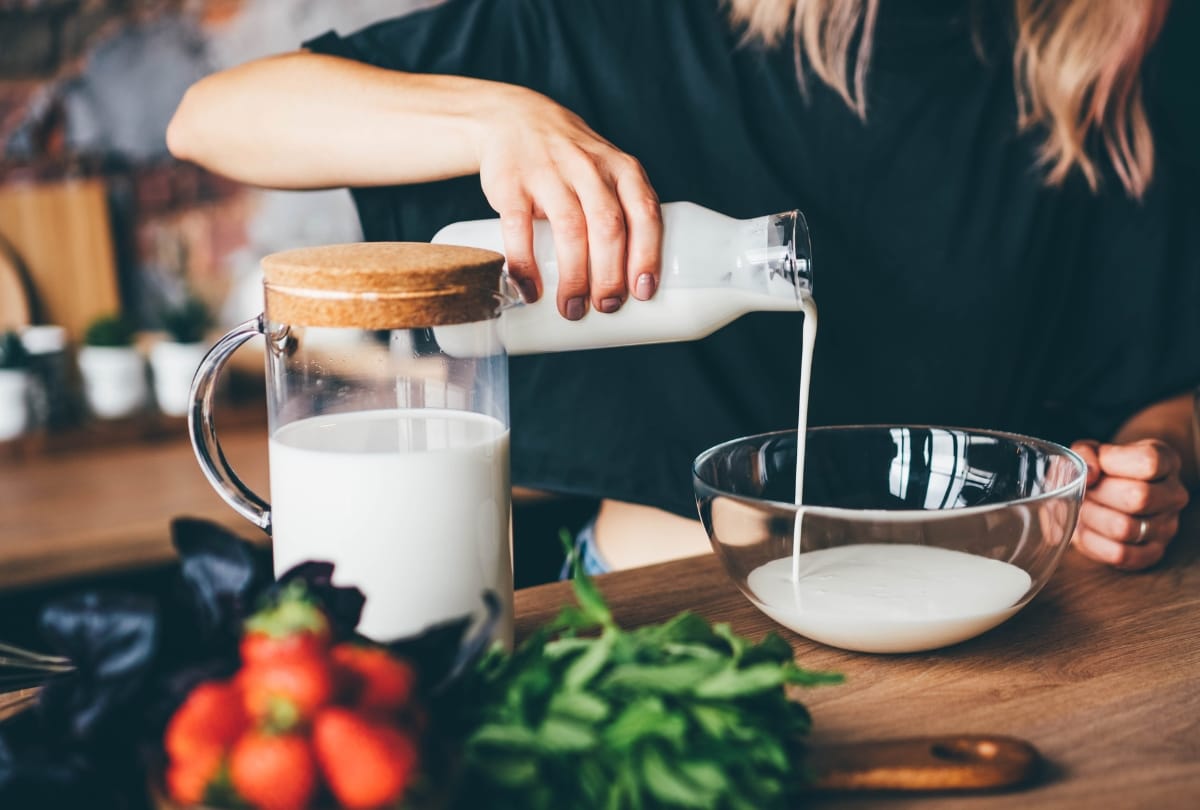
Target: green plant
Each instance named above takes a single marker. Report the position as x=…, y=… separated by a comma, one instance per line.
x=12, y=351
x=187, y=322
x=682, y=714
x=109, y=330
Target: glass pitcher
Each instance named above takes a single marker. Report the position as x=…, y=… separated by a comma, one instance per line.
x=388, y=456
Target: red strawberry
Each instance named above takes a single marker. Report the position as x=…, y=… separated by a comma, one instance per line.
x=260, y=648
x=189, y=778
x=366, y=764
x=211, y=717
x=287, y=692
x=274, y=772
x=292, y=627
x=378, y=681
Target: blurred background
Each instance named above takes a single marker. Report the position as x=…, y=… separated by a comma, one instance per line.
x=113, y=253
x=89, y=197
x=108, y=248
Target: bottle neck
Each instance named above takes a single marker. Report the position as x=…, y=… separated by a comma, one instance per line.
x=775, y=256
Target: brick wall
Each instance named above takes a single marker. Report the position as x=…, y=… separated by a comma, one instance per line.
x=87, y=88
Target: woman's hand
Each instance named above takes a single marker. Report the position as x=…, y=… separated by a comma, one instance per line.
x=539, y=160
x=1134, y=497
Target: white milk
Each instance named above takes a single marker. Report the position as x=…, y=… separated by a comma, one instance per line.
x=686, y=313
x=888, y=598
x=412, y=506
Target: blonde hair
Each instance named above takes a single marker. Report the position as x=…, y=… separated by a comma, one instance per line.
x=1076, y=65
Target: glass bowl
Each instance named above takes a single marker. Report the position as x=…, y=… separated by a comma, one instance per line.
x=909, y=538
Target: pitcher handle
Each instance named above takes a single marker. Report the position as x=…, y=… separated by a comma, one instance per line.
x=203, y=429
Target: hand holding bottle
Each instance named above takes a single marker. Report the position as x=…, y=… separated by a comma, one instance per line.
x=539, y=160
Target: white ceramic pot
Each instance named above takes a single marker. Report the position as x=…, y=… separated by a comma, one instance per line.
x=14, y=403
x=173, y=365
x=114, y=380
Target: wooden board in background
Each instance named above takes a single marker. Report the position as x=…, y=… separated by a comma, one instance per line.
x=62, y=234
x=15, y=308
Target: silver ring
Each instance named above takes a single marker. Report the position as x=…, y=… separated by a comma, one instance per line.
x=1142, y=530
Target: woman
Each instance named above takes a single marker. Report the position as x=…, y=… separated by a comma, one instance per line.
x=999, y=241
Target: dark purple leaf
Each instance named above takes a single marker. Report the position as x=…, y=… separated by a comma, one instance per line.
x=222, y=579
x=112, y=638
x=443, y=652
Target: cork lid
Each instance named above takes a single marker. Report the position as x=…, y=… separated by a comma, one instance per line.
x=382, y=285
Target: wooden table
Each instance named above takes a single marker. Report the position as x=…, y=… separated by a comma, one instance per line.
x=1101, y=673
x=109, y=509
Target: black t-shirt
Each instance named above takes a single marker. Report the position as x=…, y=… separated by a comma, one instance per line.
x=954, y=286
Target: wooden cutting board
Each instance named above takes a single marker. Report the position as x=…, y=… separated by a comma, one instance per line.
x=15, y=307
x=62, y=234
x=967, y=762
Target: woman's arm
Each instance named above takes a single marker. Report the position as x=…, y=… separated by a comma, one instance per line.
x=1138, y=484
x=307, y=120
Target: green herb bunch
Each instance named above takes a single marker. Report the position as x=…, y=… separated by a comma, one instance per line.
x=187, y=322
x=109, y=330
x=12, y=351
x=678, y=715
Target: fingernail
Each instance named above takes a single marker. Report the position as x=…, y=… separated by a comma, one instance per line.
x=528, y=290
x=575, y=308
x=610, y=305
x=645, y=286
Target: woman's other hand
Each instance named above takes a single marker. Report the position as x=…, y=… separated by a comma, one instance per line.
x=538, y=160
x=1134, y=497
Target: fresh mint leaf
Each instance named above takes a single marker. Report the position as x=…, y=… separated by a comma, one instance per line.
x=563, y=647
x=707, y=775
x=737, y=644
x=504, y=737
x=715, y=721
x=661, y=678
x=735, y=683
x=591, y=602
x=579, y=706
x=647, y=718
x=686, y=628
x=510, y=771
x=809, y=677
x=771, y=648
x=560, y=736
x=588, y=665
x=669, y=787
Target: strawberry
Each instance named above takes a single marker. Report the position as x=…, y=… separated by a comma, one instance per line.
x=365, y=764
x=291, y=627
x=257, y=647
x=284, y=693
x=273, y=772
x=378, y=681
x=190, y=778
x=211, y=717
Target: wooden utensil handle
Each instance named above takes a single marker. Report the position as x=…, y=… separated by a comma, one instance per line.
x=958, y=762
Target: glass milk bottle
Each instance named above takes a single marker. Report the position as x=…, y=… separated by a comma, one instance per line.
x=715, y=269
x=388, y=457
